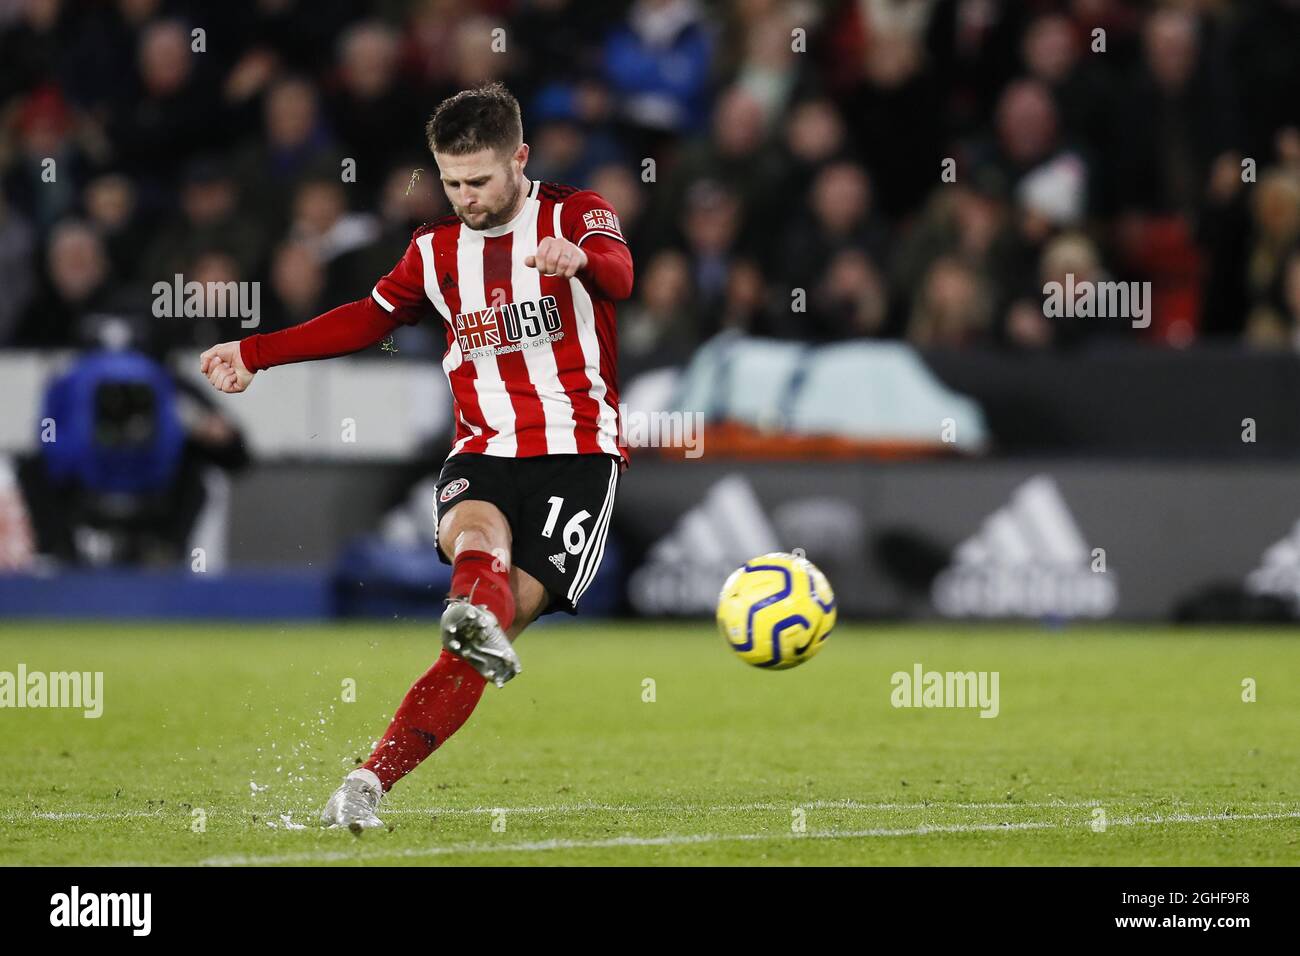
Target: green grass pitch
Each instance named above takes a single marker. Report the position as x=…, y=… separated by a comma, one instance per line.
x=1112, y=746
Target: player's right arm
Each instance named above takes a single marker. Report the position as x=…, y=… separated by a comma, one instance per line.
x=398, y=299
x=230, y=366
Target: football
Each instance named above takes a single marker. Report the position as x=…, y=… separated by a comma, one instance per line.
x=776, y=610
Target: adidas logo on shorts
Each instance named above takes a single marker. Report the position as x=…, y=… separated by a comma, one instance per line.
x=558, y=561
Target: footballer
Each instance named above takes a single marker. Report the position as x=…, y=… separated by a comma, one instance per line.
x=523, y=278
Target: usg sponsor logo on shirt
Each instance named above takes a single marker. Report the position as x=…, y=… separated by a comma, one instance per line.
x=508, y=327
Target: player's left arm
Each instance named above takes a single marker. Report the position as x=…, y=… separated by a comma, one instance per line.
x=590, y=246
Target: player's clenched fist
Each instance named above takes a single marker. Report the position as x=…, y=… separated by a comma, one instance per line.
x=224, y=367
x=557, y=256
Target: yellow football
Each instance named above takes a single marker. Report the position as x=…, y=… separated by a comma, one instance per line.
x=776, y=611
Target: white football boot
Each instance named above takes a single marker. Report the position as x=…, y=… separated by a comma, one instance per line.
x=354, y=803
x=471, y=631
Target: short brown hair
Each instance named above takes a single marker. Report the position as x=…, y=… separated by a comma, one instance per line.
x=483, y=118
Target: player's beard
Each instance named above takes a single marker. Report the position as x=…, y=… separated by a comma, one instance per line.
x=499, y=216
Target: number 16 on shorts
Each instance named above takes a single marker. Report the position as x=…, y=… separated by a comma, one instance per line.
x=574, y=534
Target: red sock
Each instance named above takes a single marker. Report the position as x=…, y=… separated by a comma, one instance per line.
x=439, y=703
x=481, y=577
x=435, y=707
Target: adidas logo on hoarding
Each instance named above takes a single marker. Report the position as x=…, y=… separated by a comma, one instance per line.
x=1279, y=570
x=685, y=569
x=1028, y=559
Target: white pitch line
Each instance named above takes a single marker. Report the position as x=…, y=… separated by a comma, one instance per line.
x=15, y=816
x=735, y=807
x=19, y=816
x=700, y=838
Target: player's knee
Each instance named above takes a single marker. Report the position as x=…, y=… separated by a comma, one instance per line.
x=476, y=528
x=473, y=538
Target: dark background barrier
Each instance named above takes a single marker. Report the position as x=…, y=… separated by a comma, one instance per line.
x=1158, y=476
x=1173, y=536
x=890, y=535
x=1132, y=402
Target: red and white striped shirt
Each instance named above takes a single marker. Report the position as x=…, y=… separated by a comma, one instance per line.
x=531, y=358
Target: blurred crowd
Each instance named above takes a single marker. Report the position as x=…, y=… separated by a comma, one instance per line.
x=910, y=169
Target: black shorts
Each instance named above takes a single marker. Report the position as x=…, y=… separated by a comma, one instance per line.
x=558, y=508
